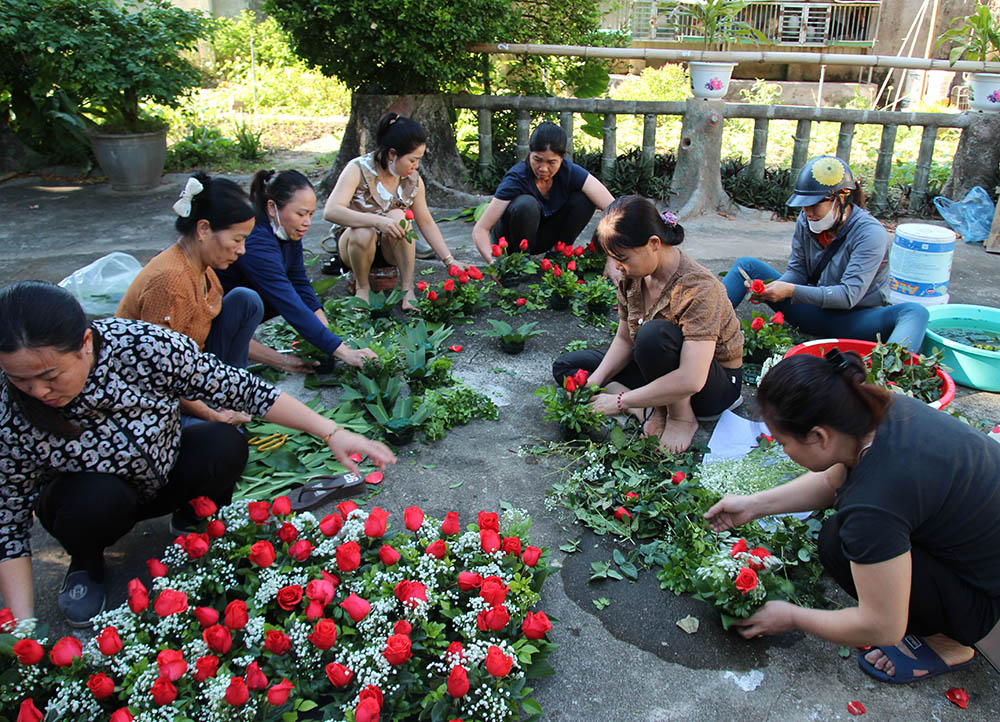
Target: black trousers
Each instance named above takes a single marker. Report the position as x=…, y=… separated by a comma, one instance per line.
x=88, y=511
x=657, y=352
x=940, y=601
x=523, y=218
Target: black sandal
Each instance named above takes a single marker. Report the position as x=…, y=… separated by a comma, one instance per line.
x=321, y=488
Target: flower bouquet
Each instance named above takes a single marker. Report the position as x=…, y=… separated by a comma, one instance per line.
x=271, y=616
x=737, y=580
x=765, y=337
x=512, y=339
x=458, y=295
x=510, y=267
x=560, y=284
x=569, y=405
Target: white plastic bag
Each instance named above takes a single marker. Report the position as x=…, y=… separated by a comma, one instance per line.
x=100, y=286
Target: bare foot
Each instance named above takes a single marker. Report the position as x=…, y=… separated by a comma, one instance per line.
x=656, y=423
x=677, y=434
x=408, y=301
x=361, y=293
x=950, y=651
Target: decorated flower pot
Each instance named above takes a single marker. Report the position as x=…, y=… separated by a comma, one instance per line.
x=558, y=303
x=511, y=347
x=984, y=92
x=710, y=80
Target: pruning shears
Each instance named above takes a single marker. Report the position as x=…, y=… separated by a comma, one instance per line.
x=746, y=277
x=269, y=443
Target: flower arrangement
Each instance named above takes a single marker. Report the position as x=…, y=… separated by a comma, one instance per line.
x=736, y=580
x=457, y=295
x=560, y=284
x=510, y=265
x=569, y=405
x=270, y=616
x=512, y=339
x=764, y=337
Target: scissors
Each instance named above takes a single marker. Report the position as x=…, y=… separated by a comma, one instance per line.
x=269, y=443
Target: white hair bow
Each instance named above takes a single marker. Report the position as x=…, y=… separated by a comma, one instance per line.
x=183, y=205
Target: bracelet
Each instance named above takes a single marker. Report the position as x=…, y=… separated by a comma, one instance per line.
x=618, y=401
x=448, y=260
x=329, y=434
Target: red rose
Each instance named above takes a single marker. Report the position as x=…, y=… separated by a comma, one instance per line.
x=203, y=507
x=458, y=682
x=356, y=607
x=468, y=581
x=622, y=513
x=277, y=642
x=450, y=524
x=281, y=506
x=236, y=615
x=511, y=545
x=397, y=649
x=488, y=520
x=163, y=691
x=631, y=496
x=475, y=273
x=531, y=556
x=121, y=715
x=432, y=295
x=757, y=286
x=367, y=711
x=387, y=555
x=413, y=517
x=28, y=712
x=375, y=524
x=262, y=553
x=421, y=286
x=463, y=277
x=237, y=693
x=156, y=568
x=338, y=674
x=778, y=318
x=218, y=639
x=495, y=618
x=578, y=251
x=331, y=524
x=569, y=384
x=289, y=597
x=536, y=625
x=373, y=693
x=567, y=251
x=455, y=651
x=520, y=302
x=856, y=708
x=571, y=266
x=259, y=511
x=300, y=550
x=581, y=377
x=957, y=696
x=28, y=652
x=502, y=242
x=321, y=590
x=436, y=549
x=170, y=602
x=560, y=246
x=138, y=597
x=746, y=580
x=408, y=214
x=6, y=619
x=349, y=556
x=333, y=579
x=314, y=610
x=489, y=540
x=454, y=270
x=279, y=693
x=196, y=545
x=205, y=667
x=546, y=264
x=448, y=285
x=288, y=533
x=556, y=271
x=346, y=507
x=738, y=548
x=402, y=627
x=407, y=592
x=215, y=529
x=65, y=651
x=678, y=477
x=256, y=679
x=206, y=616
x=523, y=245
x=171, y=664
x=493, y=590
x=759, y=554
x=497, y=663
x=758, y=323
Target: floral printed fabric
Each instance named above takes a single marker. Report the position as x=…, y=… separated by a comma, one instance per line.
x=128, y=411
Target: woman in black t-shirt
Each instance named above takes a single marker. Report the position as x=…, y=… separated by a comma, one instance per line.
x=914, y=539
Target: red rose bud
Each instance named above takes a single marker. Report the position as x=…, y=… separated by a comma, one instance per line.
x=367, y=711
x=493, y=591
x=591, y=247
x=631, y=496
x=376, y=477
x=236, y=615
x=373, y=693
x=156, y=568
x=109, y=642
x=206, y=667
x=488, y=520
x=321, y=590
x=569, y=384
x=520, y=302
x=678, y=477
x=523, y=245
x=567, y=251
x=458, y=682
x=300, y=550
x=332, y=578
x=375, y=524
x=65, y=651
x=450, y=524
x=138, y=597
x=495, y=618
x=282, y=506
x=28, y=712
x=408, y=214
x=454, y=270
x=356, y=607
x=259, y=511
x=121, y=715
x=758, y=323
x=163, y=691
x=546, y=264
x=463, y=277
x=277, y=642
x=436, y=549
x=206, y=616
x=571, y=265
x=556, y=271
x=497, y=663
x=958, y=696
x=421, y=286
x=746, y=580
x=262, y=553
x=218, y=639
x=502, y=242
x=578, y=251
x=759, y=554
x=489, y=540
x=432, y=296
x=409, y=593
x=855, y=708
x=196, y=545
x=237, y=692
x=288, y=533
x=314, y=610
x=397, y=649
x=289, y=597
x=536, y=625
x=581, y=377
x=413, y=517
x=455, y=651
x=622, y=513
x=203, y=507
x=448, y=285
x=738, y=548
x=496, y=250
x=101, y=685
x=331, y=524
x=279, y=693
x=28, y=652
x=778, y=318
x=468, y=581
x=256, y=680
x=324, y=634
x=560, y=247
x=348, y=556
x=171, y=664
x=7, y=622
x=387, y=555
x=511, y=545
x=757, y=286
x=170, y=602
x=338, y=674
x=215, y=529
x=531, y=556
x=346, y=507
x=475, y=273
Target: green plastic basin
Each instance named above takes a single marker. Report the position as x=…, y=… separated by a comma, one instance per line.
x=970, y=366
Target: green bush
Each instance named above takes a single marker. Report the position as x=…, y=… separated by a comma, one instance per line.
x=201, y=145
x=230, y=41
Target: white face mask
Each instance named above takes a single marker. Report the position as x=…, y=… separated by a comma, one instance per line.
x=392, y=169
x=826, y=222
x=276, y=226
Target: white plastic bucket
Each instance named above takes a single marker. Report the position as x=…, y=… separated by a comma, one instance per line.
x=920, y=263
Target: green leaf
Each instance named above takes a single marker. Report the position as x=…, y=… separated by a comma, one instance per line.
x=601, y=602
x=531, y=706
x=618, y=557
x=804, y=555
x=307, y=704
x=455, y=485
x=844, y=652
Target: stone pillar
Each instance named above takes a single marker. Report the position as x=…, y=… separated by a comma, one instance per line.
x=697, y=185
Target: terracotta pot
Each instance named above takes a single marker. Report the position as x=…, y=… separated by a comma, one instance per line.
x=380, y=278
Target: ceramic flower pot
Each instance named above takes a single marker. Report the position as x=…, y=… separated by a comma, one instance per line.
x=132, y=161
x=984, y=92
x=511, y=347
x=710, y=80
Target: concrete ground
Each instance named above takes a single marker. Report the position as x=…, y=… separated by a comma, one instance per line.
x=627, y=662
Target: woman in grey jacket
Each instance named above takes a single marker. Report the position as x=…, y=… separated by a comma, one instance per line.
x=835, y=282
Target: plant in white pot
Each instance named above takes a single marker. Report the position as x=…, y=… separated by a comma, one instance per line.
x=717, y=24
x=977, y=37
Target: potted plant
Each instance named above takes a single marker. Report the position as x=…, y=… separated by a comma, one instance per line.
x=560, y=284
x=510, y=267
x=569, y=406
x=512, y=339
x=716, y=24
x=599, y=295
x=764, y=337
x=401, y=422
x=977, y=37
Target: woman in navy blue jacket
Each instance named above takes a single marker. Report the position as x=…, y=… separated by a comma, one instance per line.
x=273, y=265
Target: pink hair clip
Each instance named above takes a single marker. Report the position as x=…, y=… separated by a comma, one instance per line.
x=669, y=218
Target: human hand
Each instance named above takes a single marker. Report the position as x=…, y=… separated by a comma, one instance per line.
x=606, y=404
x=777, y=291
x=730, y=511
x=391, y=227
x=295, y=365
x=773, y=618
x=354, y=357
x=236, y=418
x=343, y=443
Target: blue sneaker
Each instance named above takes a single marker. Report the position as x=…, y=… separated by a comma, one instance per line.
x=81, y=598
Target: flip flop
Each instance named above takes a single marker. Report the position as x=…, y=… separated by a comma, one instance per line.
x=320, y=488
x=926, y=658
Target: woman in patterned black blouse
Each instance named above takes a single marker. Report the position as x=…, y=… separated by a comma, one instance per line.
x=90, y=436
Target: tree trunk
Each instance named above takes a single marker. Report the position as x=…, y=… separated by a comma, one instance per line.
x=977, y=157
x=697, y=184
x=441, y=168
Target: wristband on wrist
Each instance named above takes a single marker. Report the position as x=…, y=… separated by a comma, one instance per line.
x=448, y=260
x=618, y=401
x=329, y=435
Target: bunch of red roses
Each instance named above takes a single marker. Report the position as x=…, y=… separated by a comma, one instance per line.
x=558, y=281
x=508, y=262
x=763, y=336
x=455, y=296
x=736, y=580
x=569, y=404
